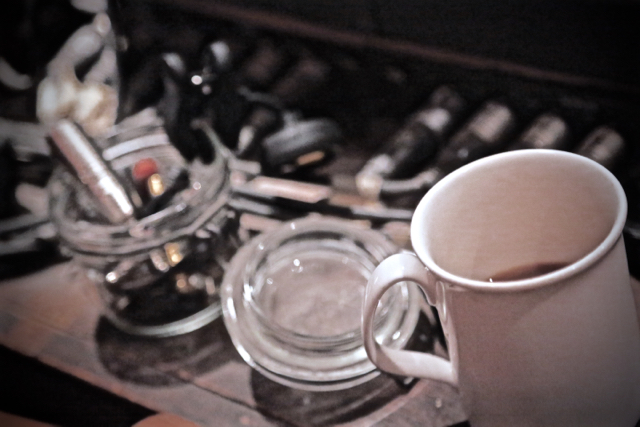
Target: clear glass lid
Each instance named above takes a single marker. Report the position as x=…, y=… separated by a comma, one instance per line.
x=292, y=301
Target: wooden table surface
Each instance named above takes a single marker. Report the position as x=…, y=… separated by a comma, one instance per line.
x=54, y=316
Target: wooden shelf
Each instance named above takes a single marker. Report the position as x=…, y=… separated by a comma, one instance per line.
x=54, y=316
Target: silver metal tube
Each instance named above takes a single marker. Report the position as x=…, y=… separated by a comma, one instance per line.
x=92, y=171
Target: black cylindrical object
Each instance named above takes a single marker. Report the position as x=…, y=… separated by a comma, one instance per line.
x=419, y=138
x=605, y=146
x=548, y=131
x=485, y=133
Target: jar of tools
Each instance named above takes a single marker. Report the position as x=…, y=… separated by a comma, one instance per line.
x=152, y=231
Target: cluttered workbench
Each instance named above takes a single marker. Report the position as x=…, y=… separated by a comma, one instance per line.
x=169, y=161
x=54, y=316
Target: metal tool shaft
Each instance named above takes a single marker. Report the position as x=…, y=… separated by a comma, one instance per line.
x=92, y=171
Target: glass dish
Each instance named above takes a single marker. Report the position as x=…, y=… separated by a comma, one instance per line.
x=292, y=303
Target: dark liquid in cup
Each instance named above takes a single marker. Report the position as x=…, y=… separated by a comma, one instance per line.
x=526, y=271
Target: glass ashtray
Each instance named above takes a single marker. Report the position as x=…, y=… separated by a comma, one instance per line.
x=292, y=301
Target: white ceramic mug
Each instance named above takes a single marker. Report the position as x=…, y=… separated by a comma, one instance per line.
x=557, y=349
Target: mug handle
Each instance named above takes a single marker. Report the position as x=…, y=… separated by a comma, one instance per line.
x=399, y=268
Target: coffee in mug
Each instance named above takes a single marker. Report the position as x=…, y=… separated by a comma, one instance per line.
x=525, y=271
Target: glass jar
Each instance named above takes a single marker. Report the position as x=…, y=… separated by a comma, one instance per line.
x=158, y=275
x=292, y=303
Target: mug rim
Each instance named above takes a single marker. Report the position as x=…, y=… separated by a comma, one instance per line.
x=421, y=250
